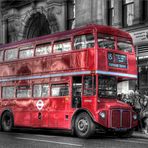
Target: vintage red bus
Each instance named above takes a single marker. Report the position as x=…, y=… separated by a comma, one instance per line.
x=68, y=80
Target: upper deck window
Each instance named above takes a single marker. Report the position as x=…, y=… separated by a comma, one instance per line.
x=26, y=53
x=84, y=41
x=43, y=50
x=11, y=54
x=1, y=55
x=106, y=41
x=61, y=46
x=124, y=44
x=41, y=90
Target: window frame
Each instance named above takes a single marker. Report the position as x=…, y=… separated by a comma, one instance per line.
x=11, y=49
x=61, y=41
x=30, y=89
x=43, y=45
x=21, y=50
x=93, y=88
x=111, y=12
x=7, y=87
x=2, y=56
x=66, y=83
x=42, y=86
x=106, y=39
x=86, y=41
x=126, y=4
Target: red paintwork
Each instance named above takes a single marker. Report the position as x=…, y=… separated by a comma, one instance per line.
x=56, y=109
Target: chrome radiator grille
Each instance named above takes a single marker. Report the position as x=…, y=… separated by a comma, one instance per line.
x=120, y=118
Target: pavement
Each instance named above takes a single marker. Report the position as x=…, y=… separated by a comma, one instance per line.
x=140, y=135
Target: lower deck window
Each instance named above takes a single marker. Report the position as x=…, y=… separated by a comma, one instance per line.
x=23, y=92
x=41, y=90
x=107, y=87
x=8, y=92
x=59, y=90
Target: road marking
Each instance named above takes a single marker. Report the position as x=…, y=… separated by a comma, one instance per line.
x=48, y=141
x=131, y=141
x=46, y=136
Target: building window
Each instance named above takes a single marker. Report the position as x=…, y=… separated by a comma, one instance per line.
x=143, y=76
x=128, y=12
x=70, y=14
x=111, y=12
x=144, y=10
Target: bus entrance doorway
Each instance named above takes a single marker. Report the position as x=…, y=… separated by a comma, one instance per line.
x=77, y=91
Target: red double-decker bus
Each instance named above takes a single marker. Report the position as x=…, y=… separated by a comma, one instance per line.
x=68, y=81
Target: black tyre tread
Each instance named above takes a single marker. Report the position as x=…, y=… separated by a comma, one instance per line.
x=3, y=126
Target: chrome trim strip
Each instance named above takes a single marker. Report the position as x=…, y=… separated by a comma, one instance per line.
x=116, y=74
x=7, y=79
x=43, y=76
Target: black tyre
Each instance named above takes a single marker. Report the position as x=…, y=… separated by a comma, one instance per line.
x=84, y=126
x=7, y=121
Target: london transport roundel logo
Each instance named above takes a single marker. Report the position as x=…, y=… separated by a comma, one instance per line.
x=39, y=104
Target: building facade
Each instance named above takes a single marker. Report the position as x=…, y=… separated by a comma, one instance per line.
x=23, y=19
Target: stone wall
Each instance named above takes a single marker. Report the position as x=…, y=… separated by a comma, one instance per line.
x=16, y=22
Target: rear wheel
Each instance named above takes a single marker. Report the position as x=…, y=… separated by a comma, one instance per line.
x=7, y=121
x=84, y=126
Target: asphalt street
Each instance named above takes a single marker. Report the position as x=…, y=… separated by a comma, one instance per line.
x=47, y=139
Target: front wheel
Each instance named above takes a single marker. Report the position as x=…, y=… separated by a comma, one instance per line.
x=7, y=121
x=84, y=126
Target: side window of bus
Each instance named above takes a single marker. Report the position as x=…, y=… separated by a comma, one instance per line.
x=1, y=55
x=26, y=53
x=62, y=46
x=60, y=89
x=41, y=90
x=43, y=49
x=11, y=54
x=89, y=85
x=8, y=92
x=23, y=91
x=106, y=41
x=124, y=44
x=84, y=41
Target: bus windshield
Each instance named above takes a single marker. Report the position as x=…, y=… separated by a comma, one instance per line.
x=107, y=87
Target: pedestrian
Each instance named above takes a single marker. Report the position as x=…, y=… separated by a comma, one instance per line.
x=137, y=106
x=144, y=114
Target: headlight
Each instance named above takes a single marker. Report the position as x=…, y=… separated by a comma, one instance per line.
x=102, y=115
x=135, y=117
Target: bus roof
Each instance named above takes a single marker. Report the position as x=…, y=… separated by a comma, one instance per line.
x=101, y=28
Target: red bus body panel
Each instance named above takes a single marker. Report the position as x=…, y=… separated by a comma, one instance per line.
x=57, y=112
